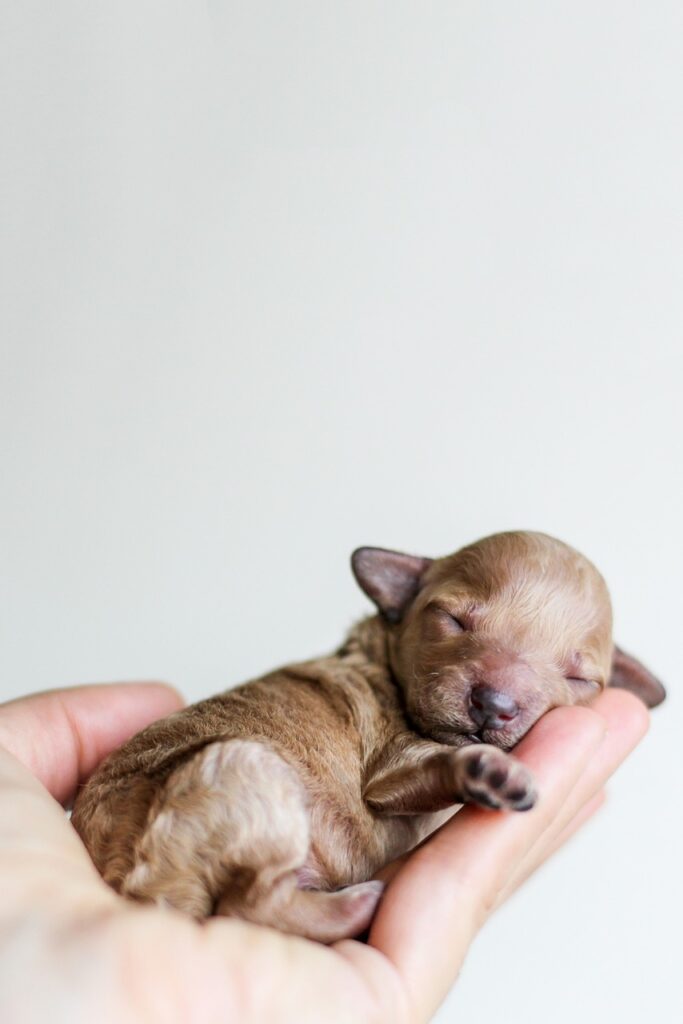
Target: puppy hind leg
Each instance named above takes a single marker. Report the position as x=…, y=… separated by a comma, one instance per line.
x=227, y=834
x=311, y=913
x=232, y=819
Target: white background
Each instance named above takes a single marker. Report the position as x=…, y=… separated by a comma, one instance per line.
x=282, y=278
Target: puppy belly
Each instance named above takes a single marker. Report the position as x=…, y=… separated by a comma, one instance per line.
x=344, y=851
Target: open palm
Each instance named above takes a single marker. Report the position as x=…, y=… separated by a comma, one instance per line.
x=71, y=949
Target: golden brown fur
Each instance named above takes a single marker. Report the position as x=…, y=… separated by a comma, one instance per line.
x=278, y=800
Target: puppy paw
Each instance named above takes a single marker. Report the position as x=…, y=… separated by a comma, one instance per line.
x=491, y=778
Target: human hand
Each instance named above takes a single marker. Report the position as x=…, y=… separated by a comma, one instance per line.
x=71, y=949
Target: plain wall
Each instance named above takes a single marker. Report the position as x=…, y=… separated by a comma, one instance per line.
x=283, y=278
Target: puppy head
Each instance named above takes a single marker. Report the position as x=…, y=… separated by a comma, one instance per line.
x=485, y=641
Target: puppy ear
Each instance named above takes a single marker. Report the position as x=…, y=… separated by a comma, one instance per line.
x=389, y=578
x=629, y=674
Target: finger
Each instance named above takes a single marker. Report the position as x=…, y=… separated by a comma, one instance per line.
x=544, y=851
x=62, y=735
x=450, y=883
x=588, y=811
x=628, y=722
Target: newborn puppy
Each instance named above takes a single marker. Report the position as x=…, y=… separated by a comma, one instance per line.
x=278, y=800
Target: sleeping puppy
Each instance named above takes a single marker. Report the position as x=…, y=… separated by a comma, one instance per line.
x=278, y=800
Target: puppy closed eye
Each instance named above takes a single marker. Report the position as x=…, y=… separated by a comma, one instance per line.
x=446, y=619
x=581, y=683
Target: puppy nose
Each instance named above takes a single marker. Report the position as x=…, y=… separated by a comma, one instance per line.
x=491, y=709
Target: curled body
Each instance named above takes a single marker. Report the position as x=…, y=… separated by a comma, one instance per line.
x=279, y=800
x=252, y=802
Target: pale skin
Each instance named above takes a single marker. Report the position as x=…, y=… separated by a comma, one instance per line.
x=70, y=948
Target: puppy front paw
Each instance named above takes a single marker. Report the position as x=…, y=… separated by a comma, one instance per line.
x=491, y=778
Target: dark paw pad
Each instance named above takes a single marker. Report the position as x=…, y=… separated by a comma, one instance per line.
x=484, y=799
x=497, y=777
x=475, y=767
x=527, y=805
x=492, y=778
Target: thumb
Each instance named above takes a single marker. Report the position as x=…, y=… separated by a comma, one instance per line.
x=39, y=851
x=60, y=736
